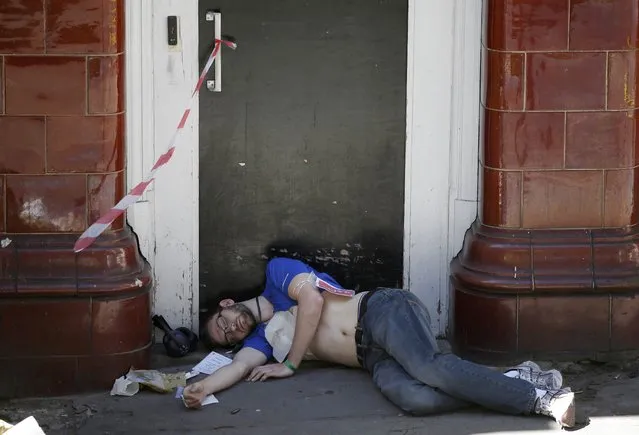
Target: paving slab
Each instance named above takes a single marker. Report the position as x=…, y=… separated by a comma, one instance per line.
x=326, y=399
x=318, y=400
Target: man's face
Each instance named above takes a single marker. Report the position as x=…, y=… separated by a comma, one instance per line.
x=232, y=324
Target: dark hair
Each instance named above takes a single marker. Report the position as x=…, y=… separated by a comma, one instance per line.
x=209, y=309
x=205, y=336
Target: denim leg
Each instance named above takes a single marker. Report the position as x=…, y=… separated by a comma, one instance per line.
x=398, y=322
x=409, y=394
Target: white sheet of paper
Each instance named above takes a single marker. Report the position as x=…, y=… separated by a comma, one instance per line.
x=28, y=426
x=211, y=363
x=208, y=365
x=210, y=399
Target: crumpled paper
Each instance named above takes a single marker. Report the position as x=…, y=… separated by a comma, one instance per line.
x=4, y=427
x=124, y=387
x=28, y=426
x=129, y=384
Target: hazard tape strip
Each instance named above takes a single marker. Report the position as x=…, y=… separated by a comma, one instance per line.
x=100, y=225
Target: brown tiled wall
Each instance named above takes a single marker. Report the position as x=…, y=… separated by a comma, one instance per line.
x=549, y=269
x=61, y=113
x=561, y=131
x=69, y=322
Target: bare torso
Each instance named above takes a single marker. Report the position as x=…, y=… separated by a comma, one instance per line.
x=335, y=337
x=334, y=340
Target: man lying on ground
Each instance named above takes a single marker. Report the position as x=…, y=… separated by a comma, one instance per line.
x=304, y=314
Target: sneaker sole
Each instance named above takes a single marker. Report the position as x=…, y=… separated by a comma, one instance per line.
x=568, y=417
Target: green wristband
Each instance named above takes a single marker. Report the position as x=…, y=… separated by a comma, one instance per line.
x=290, y=365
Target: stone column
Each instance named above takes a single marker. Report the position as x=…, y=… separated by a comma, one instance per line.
x=68, y=322
x=551, y=264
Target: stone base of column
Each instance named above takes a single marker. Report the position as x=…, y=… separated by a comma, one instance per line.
x=69, y=322
x=560, y=294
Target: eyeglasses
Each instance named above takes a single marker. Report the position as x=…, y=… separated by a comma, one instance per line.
x=224, y=326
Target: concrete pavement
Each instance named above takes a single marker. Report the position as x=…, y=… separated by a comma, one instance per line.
x=323, y=400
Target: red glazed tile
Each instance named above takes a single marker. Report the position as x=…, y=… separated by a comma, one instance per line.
x=1, y=84
x=52, y=264
x=505, y=80
x=604, y=24
x=524, y=140
x=622, y=80
x=486, y=323
x=22, y=149
x=562, y=199
x=106, y=84
x=46, y=287
x=566, y=81
x=105, y=191
x=620, y=200
x=45, y=85
x=562, y=258
x=8, y=268
x=615, y=261
x=37, y=377
x=85, y=144
x=22, y=28
x=601, y=140
x=90, y=26
x=121, y=325
x=625, y=323
x=3, y=200
x=501, y=202
x=99, y=371
x=502, y=255
x=525, y=25
x=495, y=251
x=63, y=327
x=46, y=203
x=564, y=324
x=139, y=281
x=108, y=264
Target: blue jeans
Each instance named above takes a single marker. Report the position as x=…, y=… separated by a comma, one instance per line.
x=401, y=353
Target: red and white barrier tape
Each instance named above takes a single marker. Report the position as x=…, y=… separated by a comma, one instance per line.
x=94, y=231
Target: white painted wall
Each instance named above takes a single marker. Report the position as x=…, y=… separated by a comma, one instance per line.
x=443, y=77
x=443, y=80
x=139, y=117
x=168, y=226
x=466, y=129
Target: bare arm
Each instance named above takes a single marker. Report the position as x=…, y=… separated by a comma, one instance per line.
x=309, y=310
x=245, y=361
x=310, y=303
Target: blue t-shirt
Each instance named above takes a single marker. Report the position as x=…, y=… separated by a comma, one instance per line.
x=279, y=274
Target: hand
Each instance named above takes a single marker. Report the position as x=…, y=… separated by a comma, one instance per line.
x=193, y=395
x=262, y=373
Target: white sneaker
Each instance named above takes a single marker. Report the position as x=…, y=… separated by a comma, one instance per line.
x=544, y=380
x=559, y=404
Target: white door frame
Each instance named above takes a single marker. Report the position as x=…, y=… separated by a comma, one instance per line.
x=442, y=145
x=159, y=84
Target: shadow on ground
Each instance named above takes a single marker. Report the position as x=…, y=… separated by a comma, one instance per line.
x=324, y=399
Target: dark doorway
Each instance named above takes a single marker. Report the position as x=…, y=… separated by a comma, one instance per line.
x=302, y=153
